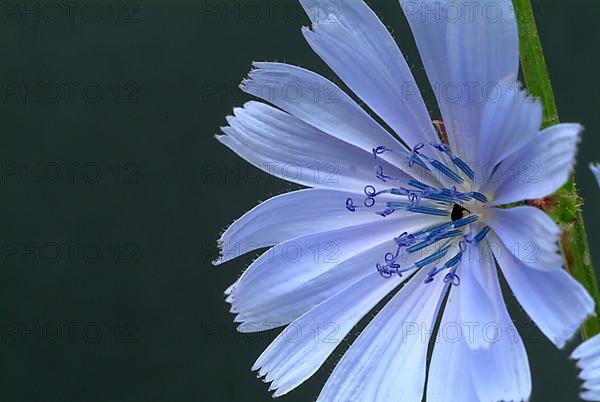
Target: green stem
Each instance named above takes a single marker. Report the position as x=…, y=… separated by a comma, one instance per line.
x=566, y=203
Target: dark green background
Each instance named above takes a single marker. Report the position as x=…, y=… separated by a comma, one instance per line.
x=134, y=173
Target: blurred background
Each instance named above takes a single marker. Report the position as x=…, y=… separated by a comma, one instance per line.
x=115, y=191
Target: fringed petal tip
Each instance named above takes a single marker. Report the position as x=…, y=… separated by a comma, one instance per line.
x=268, y=377
x=587, y=311
x=588, y=362
x=220, y=259
x=587, y=349
x=590, y=395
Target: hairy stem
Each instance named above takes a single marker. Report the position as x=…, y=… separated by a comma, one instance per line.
x=565, y=204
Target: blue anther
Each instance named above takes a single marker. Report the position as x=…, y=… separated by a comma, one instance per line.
x=432, y=258
x=428, y=210
x=398, y=205
x=413, y=206
x=417, y=184
x=459, y=163
x=479, y=197
x=419, y=246
x=455, y=194
x=446, y=171
x=454, y=260
x=440, y=196
x=427, y=233
x=446, y=234
x=464, y=221
x=433, y=238
x=448, y=225
x=481, y=235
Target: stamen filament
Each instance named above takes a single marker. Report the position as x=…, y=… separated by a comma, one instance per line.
x=434, y=239
x=446, y=171
x=481, y=235
x=432, y=258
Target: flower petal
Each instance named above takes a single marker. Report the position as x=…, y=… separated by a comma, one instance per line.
x=468, y=370
x=284, y=302
x=388, y=359
x=501, y=372
x=591, y=395
x=478, y=307
x=505, y=358
x=291, y=215
x=323, y=105
x=299, y=351
x=507, y=126
x=587, y=349
x=590, y=371
x=530, y=235
x=318, y=102
x=294, y=276
x=556, y=302
x=538, y=169
x=588, y=354
x=467, y=48
x=285, y=147
x=352, y=40
x=451, y=360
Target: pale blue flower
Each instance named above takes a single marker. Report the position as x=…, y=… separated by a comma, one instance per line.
x=588, y=353
x=418, y=213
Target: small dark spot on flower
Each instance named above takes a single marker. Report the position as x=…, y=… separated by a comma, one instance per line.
x=458, y=212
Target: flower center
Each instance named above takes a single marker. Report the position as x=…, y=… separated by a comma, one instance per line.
x=410, y=195
x=458, y=211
